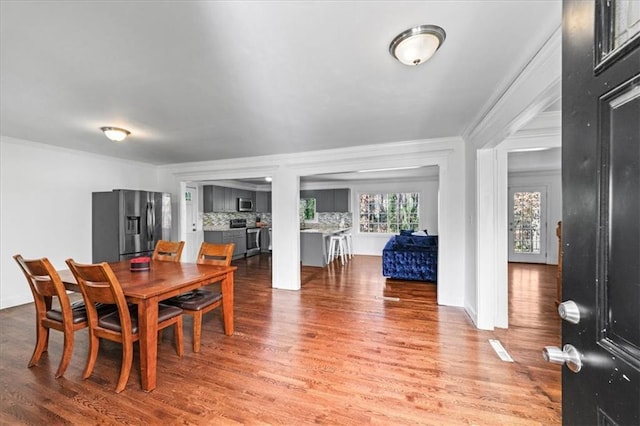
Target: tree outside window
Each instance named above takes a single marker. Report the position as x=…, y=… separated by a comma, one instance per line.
x=526, y=222
x=388, y=213
x=307, y=210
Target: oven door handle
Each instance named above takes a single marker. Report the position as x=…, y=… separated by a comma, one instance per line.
x=251, y=232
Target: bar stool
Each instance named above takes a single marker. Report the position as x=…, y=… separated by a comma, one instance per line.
x=348, y=238
x=337, y=247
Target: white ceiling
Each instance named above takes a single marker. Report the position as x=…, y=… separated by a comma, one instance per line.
x=198, y=80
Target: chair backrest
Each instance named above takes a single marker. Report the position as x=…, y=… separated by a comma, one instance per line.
x=99, y=284
x=44, y=281
x=215, y=254
x=168, y=250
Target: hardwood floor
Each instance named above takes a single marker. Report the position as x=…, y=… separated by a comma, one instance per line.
x=335, y=352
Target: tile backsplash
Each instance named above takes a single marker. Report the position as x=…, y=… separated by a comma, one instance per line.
x=221, y=220
x=333, y=219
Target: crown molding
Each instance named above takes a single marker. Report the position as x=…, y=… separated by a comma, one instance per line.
x=536, y=87
x=421, y=153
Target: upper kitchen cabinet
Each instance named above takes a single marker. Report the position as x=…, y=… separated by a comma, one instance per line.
x=341, y=200
x=218, y=199
x=263, y=202
x=329, y=200
x=244, y=193
x=223, y=199
x=209, y=194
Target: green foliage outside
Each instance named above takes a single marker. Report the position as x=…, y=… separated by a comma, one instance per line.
x=389, y=213
x=307, y=209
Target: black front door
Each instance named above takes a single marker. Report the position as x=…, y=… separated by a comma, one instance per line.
x=601, y=210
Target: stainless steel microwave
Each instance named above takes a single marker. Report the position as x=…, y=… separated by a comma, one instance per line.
x=245, y=205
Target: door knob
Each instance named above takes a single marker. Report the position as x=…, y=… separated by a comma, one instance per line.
x=569, y=311
x=567, y=355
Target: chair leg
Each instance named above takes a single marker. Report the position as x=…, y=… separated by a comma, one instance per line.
x=42, y=342
x=332, y=245
x=179, y=337
x=125, y=369
x=197, y=330
x=94, y=344
x=349, y=241
x=66, y=354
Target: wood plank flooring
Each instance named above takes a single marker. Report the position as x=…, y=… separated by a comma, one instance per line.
x=333, y=353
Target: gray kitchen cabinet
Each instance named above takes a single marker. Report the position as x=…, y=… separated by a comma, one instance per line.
x=324, y=200
x=263, y=202
x=207, y=198
x=243, y=193
x=341, y=200
x=224, y=199
x=307, y=194
x=329, y=200
x=217, y=199
x=236, y=236
x=220, y=195
x=213, y=198
x=230, y=200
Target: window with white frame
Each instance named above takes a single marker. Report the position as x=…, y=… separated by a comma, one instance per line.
x=388, y=213
x=308, y=210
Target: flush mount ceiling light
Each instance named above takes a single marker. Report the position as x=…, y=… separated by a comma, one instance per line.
x=416, y=45
x=268, y=179
x=115, y=133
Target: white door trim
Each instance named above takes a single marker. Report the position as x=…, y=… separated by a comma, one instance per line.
x=540, y=257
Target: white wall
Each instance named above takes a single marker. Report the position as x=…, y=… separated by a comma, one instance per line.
x=46, y=205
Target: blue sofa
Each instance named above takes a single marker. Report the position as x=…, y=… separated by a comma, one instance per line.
x=411, y=257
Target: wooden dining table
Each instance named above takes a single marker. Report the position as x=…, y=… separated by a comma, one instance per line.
x=162, y=281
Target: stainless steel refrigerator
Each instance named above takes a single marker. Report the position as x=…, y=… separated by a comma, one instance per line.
x=127, y=224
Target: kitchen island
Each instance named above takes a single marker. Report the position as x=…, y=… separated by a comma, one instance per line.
x=314, y=244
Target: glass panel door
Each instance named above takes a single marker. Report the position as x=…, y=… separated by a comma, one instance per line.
x=527, y=225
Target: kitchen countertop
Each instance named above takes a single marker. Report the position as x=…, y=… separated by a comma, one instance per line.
x=326, y=231
x=227, y=228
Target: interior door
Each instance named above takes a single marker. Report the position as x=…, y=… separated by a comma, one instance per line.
x=528, y=224
x=191, y=243
x=601, y=212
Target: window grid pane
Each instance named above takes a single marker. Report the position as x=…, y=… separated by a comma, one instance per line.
x=385, y=213
x=526, y=222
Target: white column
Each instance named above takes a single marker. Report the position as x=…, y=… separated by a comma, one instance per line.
x=285, y=198
x=486, y=240
x=451, y=230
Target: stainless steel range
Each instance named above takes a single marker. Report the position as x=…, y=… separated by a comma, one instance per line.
x=237, y=223
x=253, y=241
x=253, y=236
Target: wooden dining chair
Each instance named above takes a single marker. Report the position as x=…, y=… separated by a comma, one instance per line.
x=198, y=302
x=45, y=284
x=170, y=251
x=99, y=284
